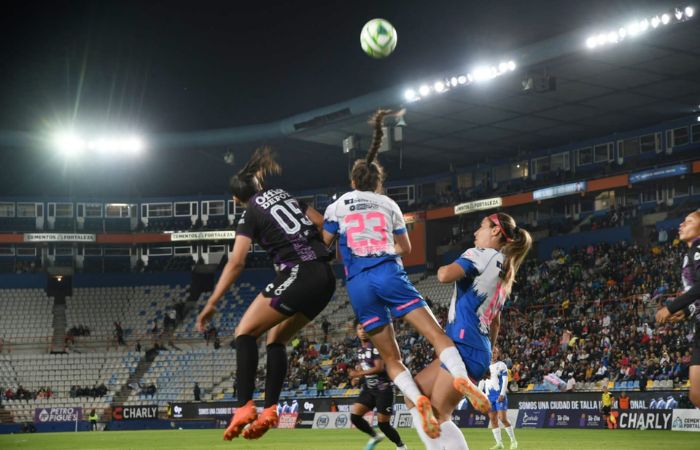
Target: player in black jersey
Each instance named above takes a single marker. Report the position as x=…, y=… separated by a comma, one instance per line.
x=377, y=390
x=687, y=305
x=289, y=233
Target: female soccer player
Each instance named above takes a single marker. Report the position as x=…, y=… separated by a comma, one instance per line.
x=372, y=238
x=377, y=390
x=303, y=287
x=483, y=278
x=498, y=396
x=688, y=304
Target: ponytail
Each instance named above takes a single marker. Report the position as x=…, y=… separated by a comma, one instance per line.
x=517, y=244
x=250, y=179
x=368, y=174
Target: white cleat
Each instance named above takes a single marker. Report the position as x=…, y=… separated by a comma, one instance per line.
x=513, y=445
x=374, y=441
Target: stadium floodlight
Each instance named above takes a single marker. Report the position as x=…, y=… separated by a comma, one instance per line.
x=502, y=67
x=511, y=65
x=482, y=73
x=439, y=86
x=462, y=79
x=133, y=145
x=453, y=81
x=637, y=27
x=424, y=90
x=409, y=95
x=69, y=144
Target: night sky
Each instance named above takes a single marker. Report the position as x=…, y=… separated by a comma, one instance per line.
x=175, y=66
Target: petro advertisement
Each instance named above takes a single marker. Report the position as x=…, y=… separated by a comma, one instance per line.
x=53, y=415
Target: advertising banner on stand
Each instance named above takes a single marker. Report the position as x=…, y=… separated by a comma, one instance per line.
x=530, y=419
x=53, y=415
x=332, y=420
x=138, y=412
x=573, y=419
x=686, y=420
x=651, y=419
x=288, y=420
x=470, y=419
x=305, y=420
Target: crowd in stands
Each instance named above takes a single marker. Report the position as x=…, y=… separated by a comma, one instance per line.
x=23, y=394
x=586, y=315
x=95, y=391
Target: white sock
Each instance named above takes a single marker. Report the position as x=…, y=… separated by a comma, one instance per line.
x=451, y=437
x=451, y=358
x=511, y=433
x=497, y=434
x=404, y=381
x=430, y=444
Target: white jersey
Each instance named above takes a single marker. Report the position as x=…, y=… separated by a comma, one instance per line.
x=366, y=223
x=477, y=299
x=499, y=379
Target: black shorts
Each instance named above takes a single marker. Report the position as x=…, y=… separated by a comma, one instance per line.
x=606, y=410
x=383, y=400
x=305, y=288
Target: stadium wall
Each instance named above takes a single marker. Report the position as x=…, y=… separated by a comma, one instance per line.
x=610, y=235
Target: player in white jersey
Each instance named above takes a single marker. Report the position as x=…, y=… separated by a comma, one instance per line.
x=483, y=277
x=498, y=395
x=372, y=235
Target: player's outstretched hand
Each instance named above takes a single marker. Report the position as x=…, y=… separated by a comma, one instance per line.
x=662, y=315
x=204, y=317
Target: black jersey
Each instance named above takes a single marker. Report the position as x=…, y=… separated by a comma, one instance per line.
x=690, y=299
x=366, y=358
x=277, y=222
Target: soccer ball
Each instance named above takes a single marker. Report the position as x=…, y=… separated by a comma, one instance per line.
x=378, y=38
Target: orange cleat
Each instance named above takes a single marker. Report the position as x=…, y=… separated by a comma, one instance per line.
x=478, y=399
x=429, y=422
x=266, y=420
x=243, y=416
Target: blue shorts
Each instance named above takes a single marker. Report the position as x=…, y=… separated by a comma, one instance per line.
x=498, y=406
x=476, y=361
x=381, y=293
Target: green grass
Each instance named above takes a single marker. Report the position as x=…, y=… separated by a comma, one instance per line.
x=478, y=439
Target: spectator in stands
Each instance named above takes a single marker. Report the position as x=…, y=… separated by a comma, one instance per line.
x=325, y=326
x=197, y=392
x=138, y=346
x=624, y=401
x=320, y=387
x=119, y=333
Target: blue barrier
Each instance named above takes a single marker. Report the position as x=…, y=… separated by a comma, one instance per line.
x=10, y=428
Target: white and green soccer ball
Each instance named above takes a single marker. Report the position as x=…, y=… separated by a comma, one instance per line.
x=378, y=38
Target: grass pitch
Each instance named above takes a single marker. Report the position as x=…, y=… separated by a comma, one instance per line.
x=478, y=439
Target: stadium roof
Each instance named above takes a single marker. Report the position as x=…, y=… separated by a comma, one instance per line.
x=638, y=82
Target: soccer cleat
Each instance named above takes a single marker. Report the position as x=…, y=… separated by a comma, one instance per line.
x=373, y=441
x=497, y=447
x=243, y=416
x=429, y=423
x=403, y=447
x=479, y=401
x=513, y=445
x=266, y=420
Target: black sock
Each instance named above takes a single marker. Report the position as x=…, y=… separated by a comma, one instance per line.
x=391, y=433
x=362, y=425
x=247, y=366
x=276, y=372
